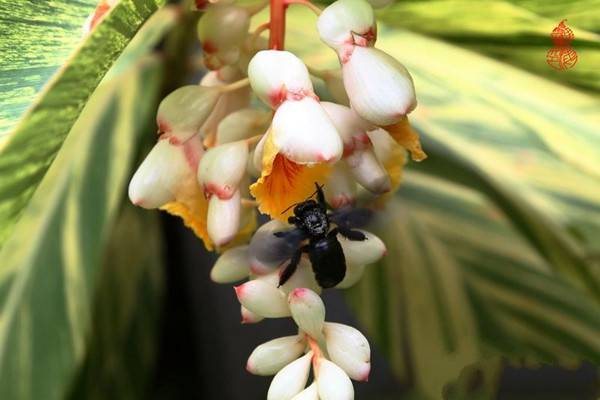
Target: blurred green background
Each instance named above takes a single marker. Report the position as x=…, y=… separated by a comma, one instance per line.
x=494, y=241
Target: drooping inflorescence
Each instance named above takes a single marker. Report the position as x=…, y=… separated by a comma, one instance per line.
x=219, y=159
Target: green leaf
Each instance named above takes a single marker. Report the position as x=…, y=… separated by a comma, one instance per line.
x=32, y=146
x=50, y=263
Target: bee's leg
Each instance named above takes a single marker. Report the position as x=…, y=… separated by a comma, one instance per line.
x=351, y=234
x=289, y=269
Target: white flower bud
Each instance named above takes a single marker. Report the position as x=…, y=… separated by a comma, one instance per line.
x=353, y=274
x=340, y=189
x=349, y=349
x=275, y=74
x=243, y=124
x=344, y=22
x=310, y=393
x=368, y=171
x=304, y=277
x=308, y=311
x=223, y=221
x=291, y=379
x=163, y=170
x=380, y=3
x=270, y=357
x=221, y=31
x=332, y=382
x=222, y=168
x=181, y=114
x=362, y=252
x=383, y=144
x=248, y=317
x=263, y=299
x=380, y=88
x=304, y=133
x=232, y=266
x=350, y=126
x=267, y=251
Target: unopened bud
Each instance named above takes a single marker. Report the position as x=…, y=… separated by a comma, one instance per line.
x=223, y=221
x=368, y=171
x=362, y=252
x=243, y=124
x=291, y=379
x=350, y=126
x=304, y=277
x=222, y=169
x=340, y=190
x=332, y=382
x=263, y=299
x=232, y=266
x=346, y=22
x=308, y=311
x=310, y=393
x=248, y=317
x=349, y=349
x=270, y=357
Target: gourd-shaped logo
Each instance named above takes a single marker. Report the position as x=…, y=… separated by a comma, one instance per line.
x=562, y=56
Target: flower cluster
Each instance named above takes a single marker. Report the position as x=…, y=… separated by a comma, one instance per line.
x=220, y=157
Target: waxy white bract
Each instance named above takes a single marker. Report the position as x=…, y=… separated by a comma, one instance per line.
x=361, y=252
x=291, y=379
x=339, y=22
x=232, y=266
x=308, y=311
x=332, y=382
x=349, y=349
x=270, y=357
x=350, y=126
x=263, y=299
x=242, y=124
x=274, y=74
x=222, y=169
x=310, y=393
x=223, y=221
x=380, y=88
x=340, y=189
x=368, y=171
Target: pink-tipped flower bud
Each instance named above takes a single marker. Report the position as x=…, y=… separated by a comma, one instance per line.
x=223, y=221
x=308, y=311
x=380, y=88
x=363, y=252
x=222, y=169
x=243, y=124
x=248, y=317
x=332, y=382
x=346, y=23
x=304, y=133
x=291, y=379
x=183, y=112
x=270, y=357
x=340, y=189
x=263, y=299
x=232, y=266
x=277, y=75
x=350, y=126
x=349, y=349
x=221, y=31
x=368, y=171
x=310, y=393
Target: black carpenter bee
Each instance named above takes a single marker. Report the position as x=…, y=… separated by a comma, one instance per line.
x=313, y=222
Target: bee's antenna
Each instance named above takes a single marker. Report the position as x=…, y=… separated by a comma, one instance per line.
x=286, y=210
x=315, y=192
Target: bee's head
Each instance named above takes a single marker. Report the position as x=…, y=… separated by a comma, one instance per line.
x=311, y=218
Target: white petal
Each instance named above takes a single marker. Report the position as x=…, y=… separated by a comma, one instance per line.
x=339, y=20
x=267, y=251
x=349, y=349
x=222, y=168
x=181, y=114
x=350, y=126
x=156, y=180
x=243, y=124
x=332, y=382
x=223, y=27
x=232, y=266
x=223, y=219
x=304, y=277
x=275, y=73
x=270, y=357
x=248, y=317
x=308, y=311
x=380, y=88
x=310, y=393
x=362, y=252
x=263, y=299
x=291, y=379
x=353, y=274
x=304, y=133
x=340, y=189
x=368, y=171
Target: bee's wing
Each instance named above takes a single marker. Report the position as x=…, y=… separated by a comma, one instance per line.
x=350, y=217
x=271, y=247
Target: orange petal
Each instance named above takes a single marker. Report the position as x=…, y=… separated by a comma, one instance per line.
x=284, y=182
x=191, y=206
x=406, y=137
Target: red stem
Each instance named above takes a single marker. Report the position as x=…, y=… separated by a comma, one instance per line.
x=277, y=24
